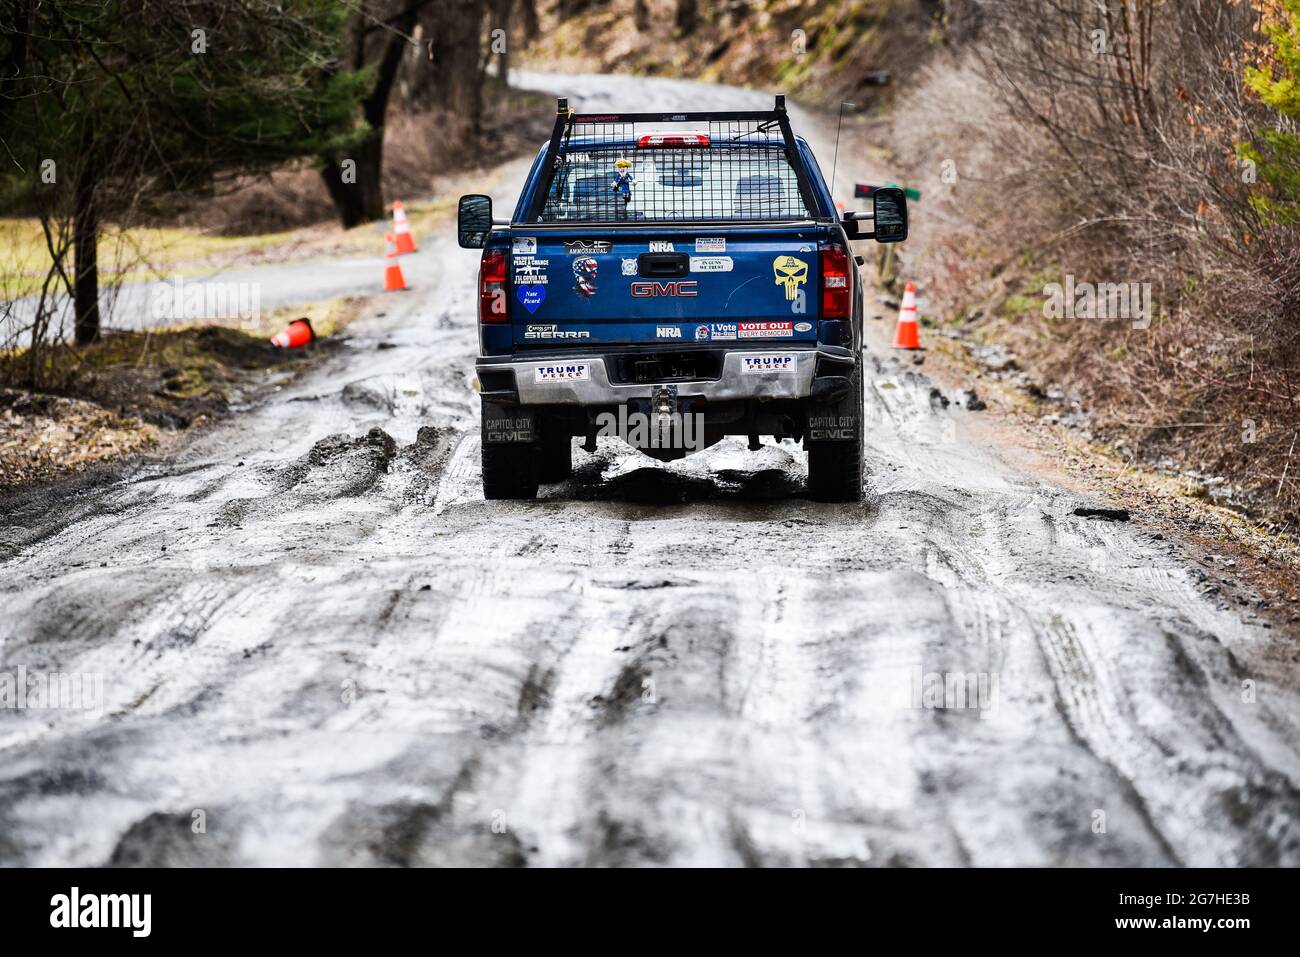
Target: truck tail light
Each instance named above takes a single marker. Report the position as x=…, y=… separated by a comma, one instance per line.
x=835, y=283
x=492, y=297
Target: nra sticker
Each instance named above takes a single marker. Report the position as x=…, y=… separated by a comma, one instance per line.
x=524, y=246
x=596, y=247
x=767, y=364
x=563, y=372
x=661, y=247
x=803, y=327
x=718, y=245
x=711, y=264
x=667, y=332
x=702, y=332
x=723, y=330
x=766, y=330
x=629, y=267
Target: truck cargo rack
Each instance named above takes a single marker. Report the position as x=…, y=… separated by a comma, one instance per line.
x=710, y=167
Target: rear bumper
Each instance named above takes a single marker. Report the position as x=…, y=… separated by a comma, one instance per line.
x=584, y=380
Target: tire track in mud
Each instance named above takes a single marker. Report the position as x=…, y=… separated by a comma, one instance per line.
x=1093, y=703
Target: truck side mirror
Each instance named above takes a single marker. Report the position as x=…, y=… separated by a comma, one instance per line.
x=473, y=220
x=890, y=214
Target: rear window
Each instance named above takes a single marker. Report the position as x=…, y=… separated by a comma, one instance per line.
x=677, y=183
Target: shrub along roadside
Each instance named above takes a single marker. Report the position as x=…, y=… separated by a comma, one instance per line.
x=1067, y=148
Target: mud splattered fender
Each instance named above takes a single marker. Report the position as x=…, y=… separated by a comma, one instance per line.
x=834, y=411
x=503, y=424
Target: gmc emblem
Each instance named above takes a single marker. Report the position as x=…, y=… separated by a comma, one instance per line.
x=676, y=287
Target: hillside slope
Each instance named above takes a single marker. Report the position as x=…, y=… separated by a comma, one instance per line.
x=819, y=50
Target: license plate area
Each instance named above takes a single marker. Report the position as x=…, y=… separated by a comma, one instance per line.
x=648, y=368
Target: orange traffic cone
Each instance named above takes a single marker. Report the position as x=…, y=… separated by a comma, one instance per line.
x=392, y=272
x=295, y=334
x=405, y=241
x=905, y=335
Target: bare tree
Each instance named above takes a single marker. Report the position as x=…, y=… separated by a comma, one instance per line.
x=687, y=16
x=354, y=176
x=528, y=19
x=116, y=97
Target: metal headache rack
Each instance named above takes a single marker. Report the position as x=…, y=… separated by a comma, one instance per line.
x=658, y=168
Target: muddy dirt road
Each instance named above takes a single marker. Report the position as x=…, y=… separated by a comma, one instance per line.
x=313, y=630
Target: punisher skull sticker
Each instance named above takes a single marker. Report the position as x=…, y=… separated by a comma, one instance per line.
x=790, y=273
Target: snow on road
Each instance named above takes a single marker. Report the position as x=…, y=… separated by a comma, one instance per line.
x=318, y=639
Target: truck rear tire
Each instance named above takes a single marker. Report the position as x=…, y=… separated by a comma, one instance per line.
x=510, y=471
x=556, y=454
x=835, y=468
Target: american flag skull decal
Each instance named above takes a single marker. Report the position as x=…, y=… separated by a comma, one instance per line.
x=584, y=276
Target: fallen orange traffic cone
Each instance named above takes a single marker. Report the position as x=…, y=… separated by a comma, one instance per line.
x=295, y=334
x=405, y=241
x=905, y=335
x=392, y=272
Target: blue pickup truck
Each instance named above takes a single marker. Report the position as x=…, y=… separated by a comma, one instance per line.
x=671, y=279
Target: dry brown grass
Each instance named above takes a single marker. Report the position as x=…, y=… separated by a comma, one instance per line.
x=127, y=393
x=44, y=435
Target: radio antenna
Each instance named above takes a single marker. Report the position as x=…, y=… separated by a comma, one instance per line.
x=836, y=162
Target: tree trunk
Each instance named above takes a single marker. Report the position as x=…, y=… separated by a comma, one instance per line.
x=528, y=20
x=571, y=8
x=356, y=190
x=641, y=15
x=687, y=16
x=361, y=200
x=14, y=64
x=454, y=83
x=500, y=10
x=85, y=238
